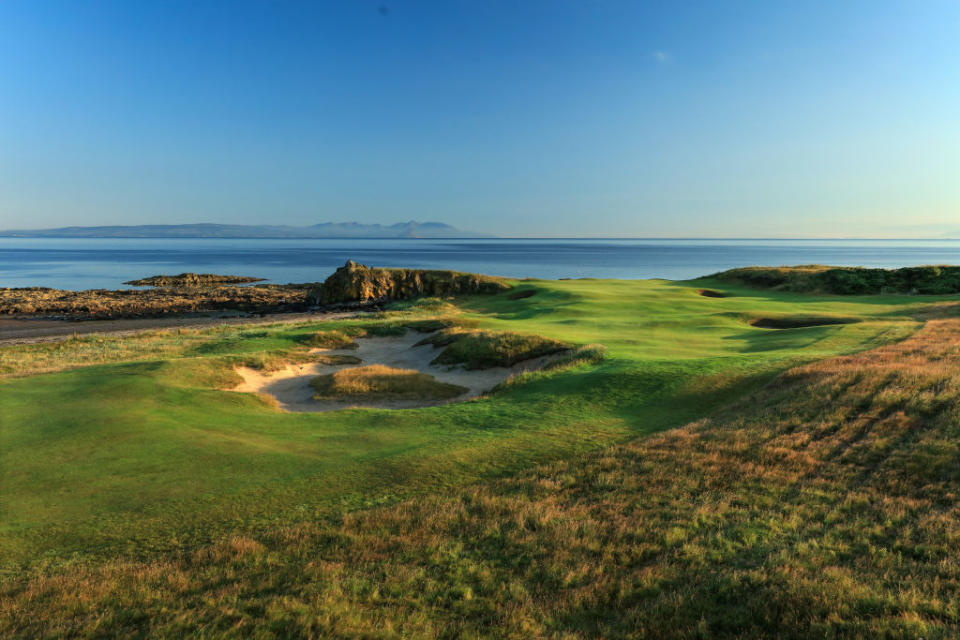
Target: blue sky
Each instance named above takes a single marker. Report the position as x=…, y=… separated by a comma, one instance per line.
x=559, y=118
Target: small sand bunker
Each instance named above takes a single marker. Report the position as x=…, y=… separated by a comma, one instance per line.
x=797, y=322
x=711, y=293
x=291, y=386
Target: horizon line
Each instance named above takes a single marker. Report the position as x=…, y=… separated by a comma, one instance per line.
x=9, y=235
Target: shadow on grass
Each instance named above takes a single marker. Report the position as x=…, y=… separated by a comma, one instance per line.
x=540, y=303
x=763, y=340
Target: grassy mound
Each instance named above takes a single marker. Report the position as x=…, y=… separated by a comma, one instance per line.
x=797, y=322
x=430, y=304
x=586, y=354
x=333, y=339
x=383, y=330
x=379, y=382
x=430, y=325
x=928, y=280
x=482, y=349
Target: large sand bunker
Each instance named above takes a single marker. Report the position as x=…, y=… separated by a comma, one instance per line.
x=291, y=388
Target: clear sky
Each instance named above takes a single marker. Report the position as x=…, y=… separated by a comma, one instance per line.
x=530, y=118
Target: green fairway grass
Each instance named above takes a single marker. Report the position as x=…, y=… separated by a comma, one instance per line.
x=130, y=446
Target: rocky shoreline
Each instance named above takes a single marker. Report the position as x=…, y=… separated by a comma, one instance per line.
x=349, y=287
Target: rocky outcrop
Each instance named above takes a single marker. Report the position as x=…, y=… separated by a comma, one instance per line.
x=102, y=304
x=190, y=280
x=351, y=285
x=358, y=283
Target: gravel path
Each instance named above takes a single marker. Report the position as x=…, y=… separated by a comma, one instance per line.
x=33, y=330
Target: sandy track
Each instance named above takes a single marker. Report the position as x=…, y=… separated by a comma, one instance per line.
x=291, y=386
x=33, y=330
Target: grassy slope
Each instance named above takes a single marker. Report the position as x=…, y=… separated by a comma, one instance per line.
x=147, y=457
x=822, y=506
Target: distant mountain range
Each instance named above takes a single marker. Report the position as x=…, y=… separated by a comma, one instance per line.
x=323, y=230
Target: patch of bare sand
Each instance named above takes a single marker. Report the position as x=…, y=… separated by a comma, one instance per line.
x=291, y=388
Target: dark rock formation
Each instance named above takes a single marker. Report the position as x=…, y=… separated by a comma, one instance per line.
x=191, y=280
x=352, y=285
x=102, y=304
x=357, y=283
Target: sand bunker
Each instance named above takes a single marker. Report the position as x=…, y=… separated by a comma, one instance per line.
x=291, y=385
x=711, y=293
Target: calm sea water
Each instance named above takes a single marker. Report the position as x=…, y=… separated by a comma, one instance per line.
x=107, y=263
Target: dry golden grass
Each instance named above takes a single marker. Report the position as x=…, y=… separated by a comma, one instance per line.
x=379, y=381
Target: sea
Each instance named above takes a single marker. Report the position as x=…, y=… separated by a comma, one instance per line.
x=106, y=263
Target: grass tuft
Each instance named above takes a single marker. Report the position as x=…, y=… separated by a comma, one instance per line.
x=332, y=339
x=430, y=325
x=384, y=329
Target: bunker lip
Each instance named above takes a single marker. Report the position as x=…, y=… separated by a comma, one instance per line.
x=291, y=388
x=799, y=322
